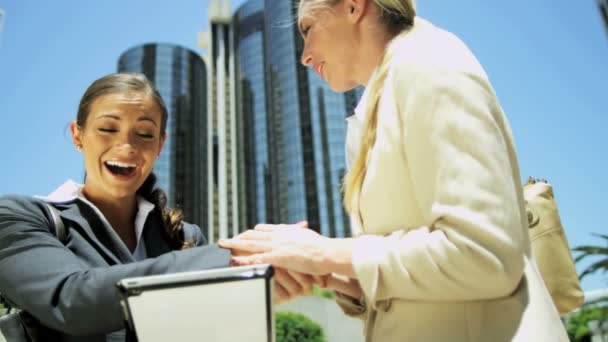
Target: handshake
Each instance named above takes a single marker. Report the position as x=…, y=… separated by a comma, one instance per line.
x=301, y=258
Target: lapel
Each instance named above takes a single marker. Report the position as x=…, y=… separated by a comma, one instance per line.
x=354, y=128
x=155, y=236
x=85, y=218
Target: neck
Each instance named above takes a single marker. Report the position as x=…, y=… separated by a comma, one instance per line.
x=374, y=40
x=120, y=212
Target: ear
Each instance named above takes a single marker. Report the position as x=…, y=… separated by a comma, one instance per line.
x=162, y=143
x=356, y=9
x=76, y=133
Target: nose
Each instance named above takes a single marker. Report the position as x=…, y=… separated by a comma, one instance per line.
x=306, y=58
x=126, y=142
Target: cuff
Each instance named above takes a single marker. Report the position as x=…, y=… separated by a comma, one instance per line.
x=368, y=254
x=351, y=306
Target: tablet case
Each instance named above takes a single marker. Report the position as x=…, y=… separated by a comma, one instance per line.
x=226, y=304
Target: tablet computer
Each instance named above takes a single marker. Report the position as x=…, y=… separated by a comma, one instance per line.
x=225, y=304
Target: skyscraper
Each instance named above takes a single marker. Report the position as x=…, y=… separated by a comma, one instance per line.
x=293, y=124
x=603, y=7
x=181, y=77
x=252, y=121
x=223, y=195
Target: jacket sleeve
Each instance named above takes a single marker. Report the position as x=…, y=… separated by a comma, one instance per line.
x=353, y=307
x=458, y=148
x=192, y=232
x=43, y=277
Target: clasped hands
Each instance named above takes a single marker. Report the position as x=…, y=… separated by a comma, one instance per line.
x=296, y=252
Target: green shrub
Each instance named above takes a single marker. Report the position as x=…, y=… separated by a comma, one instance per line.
x=320, y=292
x=295, y=327
x=577, y=323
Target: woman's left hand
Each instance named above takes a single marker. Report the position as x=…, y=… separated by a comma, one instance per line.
x=286, y=246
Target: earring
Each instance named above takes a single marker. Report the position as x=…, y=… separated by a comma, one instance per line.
x=79, y=147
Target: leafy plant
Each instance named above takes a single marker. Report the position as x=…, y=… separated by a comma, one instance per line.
x=600, y=265
x=321, y=292
x=594, y=251
x=295, y=327
x=577, y=328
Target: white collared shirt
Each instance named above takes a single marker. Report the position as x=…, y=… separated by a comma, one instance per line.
x=71, y=190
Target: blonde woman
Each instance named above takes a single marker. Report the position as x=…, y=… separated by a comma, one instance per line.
x=440, y=249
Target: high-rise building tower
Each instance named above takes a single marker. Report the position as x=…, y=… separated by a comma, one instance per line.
x=603, y=6
x=181, y=77
x=293, y=125
x=223, y=196
x=252, y=121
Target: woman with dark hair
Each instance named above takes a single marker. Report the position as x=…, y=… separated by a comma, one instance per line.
x=117, y=223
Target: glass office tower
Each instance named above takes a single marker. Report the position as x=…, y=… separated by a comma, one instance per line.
x=603, y=7
x=181, y=77
x=223, y=169
x=293, y=124
x=252, y=121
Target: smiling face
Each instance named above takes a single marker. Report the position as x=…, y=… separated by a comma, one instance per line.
x=120, y=140
x=330, y=44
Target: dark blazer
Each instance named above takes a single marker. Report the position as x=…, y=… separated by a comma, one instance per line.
x=71, y=288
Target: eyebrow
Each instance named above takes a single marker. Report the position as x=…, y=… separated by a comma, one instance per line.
x=116, y=117
x=145, y=118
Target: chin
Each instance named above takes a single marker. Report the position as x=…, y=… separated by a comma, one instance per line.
x=343, y=87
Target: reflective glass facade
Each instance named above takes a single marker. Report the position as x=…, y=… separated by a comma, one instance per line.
x=289, y=118
x=224, y=194
x=254, y=168
x=181, y=77
x=294, y=126
x=603, y=7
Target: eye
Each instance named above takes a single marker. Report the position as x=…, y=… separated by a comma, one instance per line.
x=107, y=130
x=145, y=135
x=305, y=30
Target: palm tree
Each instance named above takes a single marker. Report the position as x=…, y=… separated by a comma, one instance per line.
x=600, y=265
x=594, y=251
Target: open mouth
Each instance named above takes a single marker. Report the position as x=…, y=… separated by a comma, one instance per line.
x=120, y=169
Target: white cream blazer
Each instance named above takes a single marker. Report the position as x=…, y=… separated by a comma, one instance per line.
x=442, y=250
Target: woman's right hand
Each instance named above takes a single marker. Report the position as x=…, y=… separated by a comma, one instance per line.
x=289, y=285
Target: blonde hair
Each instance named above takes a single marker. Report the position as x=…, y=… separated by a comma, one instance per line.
x=391, y=11
x=397, y=16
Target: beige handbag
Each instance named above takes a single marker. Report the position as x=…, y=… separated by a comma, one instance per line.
x=550, y=247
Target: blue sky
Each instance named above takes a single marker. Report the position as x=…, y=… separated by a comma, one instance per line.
x=548, y=61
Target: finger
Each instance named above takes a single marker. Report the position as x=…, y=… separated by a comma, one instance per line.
x=320, y=280
x=274, y=259
x=280, y=294
x=253, y=235
x=244, y=261
x=304, y=280
x=246, y=246
x=240, y=252
x=281, y=260
x=345, y=285
x=265, y=227
x=303, y=224
x=283, y=278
